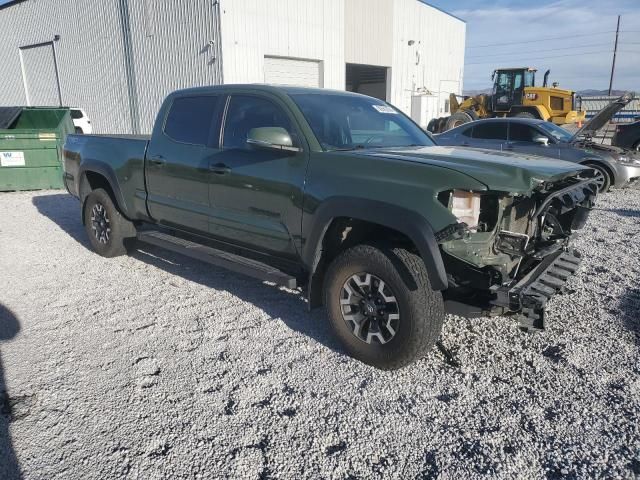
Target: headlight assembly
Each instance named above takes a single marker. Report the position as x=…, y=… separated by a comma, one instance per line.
x=477, y=211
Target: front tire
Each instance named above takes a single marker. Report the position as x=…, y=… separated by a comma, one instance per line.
x=381, y=305
x=457, y=119
x=109, y=232
x=602, y=179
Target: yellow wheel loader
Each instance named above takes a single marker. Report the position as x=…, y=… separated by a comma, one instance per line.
x=514, y=94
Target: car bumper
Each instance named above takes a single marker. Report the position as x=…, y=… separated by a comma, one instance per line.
x=630, y=172
x=528, y=298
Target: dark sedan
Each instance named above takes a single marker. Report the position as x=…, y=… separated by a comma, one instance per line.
x=627, y=136
x=536, y=137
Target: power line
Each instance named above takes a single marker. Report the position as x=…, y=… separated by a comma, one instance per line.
x=546, y=38
x=547, y=50
x=554, y=56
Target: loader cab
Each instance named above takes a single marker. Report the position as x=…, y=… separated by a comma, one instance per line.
x=508, y=87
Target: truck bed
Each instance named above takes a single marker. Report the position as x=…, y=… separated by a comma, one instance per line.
x=120, y=157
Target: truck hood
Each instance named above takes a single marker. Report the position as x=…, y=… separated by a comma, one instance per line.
x=499, y=171
x=603, y=116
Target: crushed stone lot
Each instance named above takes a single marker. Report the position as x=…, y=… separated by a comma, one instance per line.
x=158, y=366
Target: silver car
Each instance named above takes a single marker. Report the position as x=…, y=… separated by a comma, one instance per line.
x=615, y=166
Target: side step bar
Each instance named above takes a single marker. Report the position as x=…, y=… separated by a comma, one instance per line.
x=217, y=257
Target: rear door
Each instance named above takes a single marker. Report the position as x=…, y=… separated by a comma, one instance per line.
x=255, y=193
x=489, y=134
x=177, y=165
x=521, y=138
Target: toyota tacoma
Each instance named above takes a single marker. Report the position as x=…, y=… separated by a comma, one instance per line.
x=344, y=196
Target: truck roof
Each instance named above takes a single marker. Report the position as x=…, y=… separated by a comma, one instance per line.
x=278, y=89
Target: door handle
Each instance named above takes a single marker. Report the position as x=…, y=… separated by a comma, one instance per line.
x=157, y=160
x=219, y=169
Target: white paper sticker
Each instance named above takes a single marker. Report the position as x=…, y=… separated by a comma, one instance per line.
x=12, y=159
x=384, y=109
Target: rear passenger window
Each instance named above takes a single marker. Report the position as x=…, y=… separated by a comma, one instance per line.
x=519, y=132
x=189, y=119
x=490, y=130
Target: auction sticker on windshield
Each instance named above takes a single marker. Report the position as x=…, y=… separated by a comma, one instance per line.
x=12, y=159
x=384, y=109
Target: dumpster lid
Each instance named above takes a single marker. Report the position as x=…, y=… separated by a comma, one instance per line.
x=8, y=115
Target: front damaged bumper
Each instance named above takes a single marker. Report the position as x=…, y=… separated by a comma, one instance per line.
x=528, y=298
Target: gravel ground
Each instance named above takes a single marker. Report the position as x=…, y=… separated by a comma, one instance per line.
x=156, y=366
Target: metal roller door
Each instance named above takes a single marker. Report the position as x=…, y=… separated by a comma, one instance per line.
x=292, y=71
x=40, y=77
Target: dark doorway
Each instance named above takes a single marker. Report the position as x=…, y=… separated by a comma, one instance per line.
x=367, y=79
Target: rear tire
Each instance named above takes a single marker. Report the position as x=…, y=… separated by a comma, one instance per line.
x=363, y=317
x=636, y=147
x=457, y=119
x=603, y=179
x=110, y=234
x=525, y=115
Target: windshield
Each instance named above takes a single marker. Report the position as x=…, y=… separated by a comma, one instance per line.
x=556, y=132
x=346, y=122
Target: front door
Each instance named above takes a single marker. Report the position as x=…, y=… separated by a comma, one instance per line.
x=256, y=194
x=177, y=167
x=521, y=140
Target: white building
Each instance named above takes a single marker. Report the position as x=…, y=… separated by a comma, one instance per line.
x=119, y=58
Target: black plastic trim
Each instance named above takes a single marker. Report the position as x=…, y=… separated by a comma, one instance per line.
x=407, y=222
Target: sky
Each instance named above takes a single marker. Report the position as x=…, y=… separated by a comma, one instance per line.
x=518, y=33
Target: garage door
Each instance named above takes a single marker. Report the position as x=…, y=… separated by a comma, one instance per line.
x=292, y=71
x=40, y=79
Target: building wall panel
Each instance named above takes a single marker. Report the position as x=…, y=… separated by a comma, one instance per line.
x=428, y=54
x=174, y=46
x=88, y=51
x=369, y=32
x=298, y=29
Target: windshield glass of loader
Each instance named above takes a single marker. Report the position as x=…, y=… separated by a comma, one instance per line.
x=345, y=122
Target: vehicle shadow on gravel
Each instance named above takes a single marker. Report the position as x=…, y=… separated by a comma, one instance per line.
x=64, y=210
x=290, y=307
x=629, y=306
x=623, y=212
x=9, y=466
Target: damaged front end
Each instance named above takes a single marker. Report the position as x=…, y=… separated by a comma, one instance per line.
x=509, y=253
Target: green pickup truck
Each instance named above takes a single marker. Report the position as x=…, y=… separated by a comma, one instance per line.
x=344, y=196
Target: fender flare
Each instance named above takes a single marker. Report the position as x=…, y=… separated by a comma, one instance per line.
x=107, y=172
x=408, y=222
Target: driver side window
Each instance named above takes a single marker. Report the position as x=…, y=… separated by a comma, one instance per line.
x=247, y=112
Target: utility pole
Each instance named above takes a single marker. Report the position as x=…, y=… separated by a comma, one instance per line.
x=615, y=49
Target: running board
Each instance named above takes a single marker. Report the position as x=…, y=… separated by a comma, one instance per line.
x=216, y=257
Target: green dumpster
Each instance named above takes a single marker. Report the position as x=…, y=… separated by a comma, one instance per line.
x=31, y=140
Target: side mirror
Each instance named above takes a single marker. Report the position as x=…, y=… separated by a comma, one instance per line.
x=541, y=140
x=271, y=138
